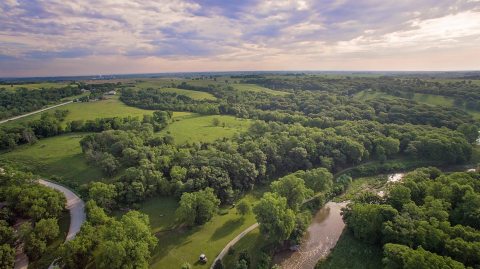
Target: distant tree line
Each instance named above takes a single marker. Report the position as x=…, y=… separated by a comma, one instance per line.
x=23, y=100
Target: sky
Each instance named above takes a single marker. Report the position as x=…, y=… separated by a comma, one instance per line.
x=91, y=37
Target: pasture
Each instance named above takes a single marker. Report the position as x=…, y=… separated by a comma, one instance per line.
x=256, y=88
x=59, y=157
x=111, y=107
x=196, y=128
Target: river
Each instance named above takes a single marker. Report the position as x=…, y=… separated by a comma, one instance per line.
x=321, y=236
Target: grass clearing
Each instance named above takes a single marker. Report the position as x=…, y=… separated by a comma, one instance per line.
x=185, y=245
x=111, y=107
x=197, y=95
x=59, y=156
x=256, y=88
x=196, y=128
x=352, y=253
x=160, y=210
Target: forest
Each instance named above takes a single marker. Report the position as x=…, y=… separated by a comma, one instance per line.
x=298, y=149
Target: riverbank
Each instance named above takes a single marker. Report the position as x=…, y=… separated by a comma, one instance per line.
x=321, y=236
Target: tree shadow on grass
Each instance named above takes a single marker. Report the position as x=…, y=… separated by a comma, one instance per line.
x=227, y=228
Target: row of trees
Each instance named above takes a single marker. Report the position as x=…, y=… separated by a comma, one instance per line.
x=429, y=218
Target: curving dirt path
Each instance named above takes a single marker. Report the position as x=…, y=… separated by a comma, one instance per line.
x=34, y=112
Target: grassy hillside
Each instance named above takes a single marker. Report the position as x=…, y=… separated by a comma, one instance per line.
x=201, y=128
x=256, y=88
x=192, y=94
x=112, y=107
x=59, y=156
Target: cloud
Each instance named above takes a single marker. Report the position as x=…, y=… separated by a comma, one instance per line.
x=264, y=34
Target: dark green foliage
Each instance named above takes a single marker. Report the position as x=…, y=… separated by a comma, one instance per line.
x=276, y=220
x=7, y=256
x=366, y=220
x=421, y=234
x=198, y=207
x=399, y=256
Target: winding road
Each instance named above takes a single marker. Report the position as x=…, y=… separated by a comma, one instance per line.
x=34, y=112
x=75, y=205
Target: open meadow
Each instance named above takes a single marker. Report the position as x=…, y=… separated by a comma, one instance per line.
x=197, y=128
x=59, y=157
x=109, y=108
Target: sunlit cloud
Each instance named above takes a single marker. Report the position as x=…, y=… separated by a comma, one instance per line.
x=55, y=37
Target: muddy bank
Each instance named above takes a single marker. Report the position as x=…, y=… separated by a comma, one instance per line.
x=321, y=236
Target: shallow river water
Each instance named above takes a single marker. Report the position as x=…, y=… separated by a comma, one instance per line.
x=322, y=235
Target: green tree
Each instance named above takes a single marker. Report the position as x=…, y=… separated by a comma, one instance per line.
x=7, y=256
x=399, y=256
x=293, y=188
x=399, y=195
x=470, y=131
x=276, y=219
x=103, y=194
x=366, y=220
x=127, y=243
x=197, y=207
x=319, y=180
x=243, y=208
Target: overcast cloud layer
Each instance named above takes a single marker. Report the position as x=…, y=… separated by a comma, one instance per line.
x=75, y=37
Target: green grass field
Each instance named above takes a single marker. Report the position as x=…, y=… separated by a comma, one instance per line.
x=111, y=107
x=350, y=253
x=197, y=128
x=166, y=85
x=192, y=94
x=256, y=88
x=59, y=156
x=185, y=245
x=160, y=210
